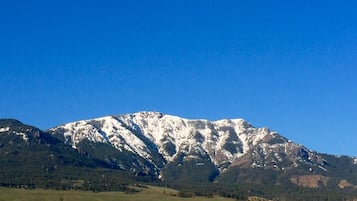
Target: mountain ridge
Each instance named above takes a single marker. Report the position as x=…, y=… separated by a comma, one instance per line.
x=160, y=128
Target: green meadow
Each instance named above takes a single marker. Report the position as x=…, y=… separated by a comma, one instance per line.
x=145, y=194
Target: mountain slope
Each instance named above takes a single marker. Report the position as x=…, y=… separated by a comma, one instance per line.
x=32, y=158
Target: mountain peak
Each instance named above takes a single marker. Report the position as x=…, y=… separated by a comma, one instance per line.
x=146, y=114
x=16, y=126
x=10, y=123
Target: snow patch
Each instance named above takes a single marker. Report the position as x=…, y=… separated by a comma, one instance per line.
x=5, y=129
x=23, y=135
x=355, y=161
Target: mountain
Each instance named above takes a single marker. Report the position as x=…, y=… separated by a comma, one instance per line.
x=178, y=150
x=229, y=157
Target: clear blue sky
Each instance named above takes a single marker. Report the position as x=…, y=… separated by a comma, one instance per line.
x=288, y=65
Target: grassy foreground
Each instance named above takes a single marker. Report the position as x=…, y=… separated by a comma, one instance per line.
x=146, y=194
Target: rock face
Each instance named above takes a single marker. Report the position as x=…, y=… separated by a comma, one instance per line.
x=312, y=181
x=344, y=184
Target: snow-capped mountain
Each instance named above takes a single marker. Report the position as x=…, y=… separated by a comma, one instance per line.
x=105, y=153
x=152, y=145
x=224, y=143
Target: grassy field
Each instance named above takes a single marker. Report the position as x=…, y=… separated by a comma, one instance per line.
x=146, y=194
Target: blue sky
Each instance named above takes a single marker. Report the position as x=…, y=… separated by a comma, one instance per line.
x=287, y=65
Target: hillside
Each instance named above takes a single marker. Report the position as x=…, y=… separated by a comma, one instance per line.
x=31, y=158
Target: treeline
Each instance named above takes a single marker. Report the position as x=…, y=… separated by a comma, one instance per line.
x=272, y=192
x=67, y=178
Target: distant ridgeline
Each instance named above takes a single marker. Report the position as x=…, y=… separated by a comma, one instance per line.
x=199, y=157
